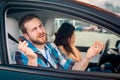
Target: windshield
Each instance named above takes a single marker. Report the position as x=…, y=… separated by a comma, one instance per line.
x=111, y=5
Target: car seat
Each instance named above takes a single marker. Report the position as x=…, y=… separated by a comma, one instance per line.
x=49, y=26
x=13, y=30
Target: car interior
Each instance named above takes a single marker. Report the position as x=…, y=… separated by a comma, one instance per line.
x=52, y=24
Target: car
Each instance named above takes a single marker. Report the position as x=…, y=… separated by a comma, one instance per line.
x=53, y=13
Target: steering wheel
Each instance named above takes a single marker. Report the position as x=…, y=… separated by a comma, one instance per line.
x=104, y=52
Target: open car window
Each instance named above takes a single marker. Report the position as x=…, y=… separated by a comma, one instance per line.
x=86, y=32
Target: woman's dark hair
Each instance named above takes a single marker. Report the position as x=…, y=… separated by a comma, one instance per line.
x=64, y=33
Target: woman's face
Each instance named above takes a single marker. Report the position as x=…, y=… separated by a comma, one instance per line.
x=72, y=39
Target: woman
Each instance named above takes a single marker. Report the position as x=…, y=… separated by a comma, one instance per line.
x=65, y=38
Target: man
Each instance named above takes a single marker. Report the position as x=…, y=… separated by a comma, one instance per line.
x=35, y=51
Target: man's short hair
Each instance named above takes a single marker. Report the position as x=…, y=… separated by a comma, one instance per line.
x=25, y=19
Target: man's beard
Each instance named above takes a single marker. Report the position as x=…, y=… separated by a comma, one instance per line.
x=39, y=42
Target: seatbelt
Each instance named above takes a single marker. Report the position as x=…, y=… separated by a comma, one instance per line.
x=12, y=38
x=45, y=60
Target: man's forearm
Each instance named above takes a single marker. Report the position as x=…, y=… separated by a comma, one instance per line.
x=82, y=65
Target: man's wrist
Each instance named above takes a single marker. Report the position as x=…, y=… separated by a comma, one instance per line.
x=32, y=62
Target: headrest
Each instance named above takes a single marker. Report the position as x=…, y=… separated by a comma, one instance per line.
x=49, y=26
x=12, y=26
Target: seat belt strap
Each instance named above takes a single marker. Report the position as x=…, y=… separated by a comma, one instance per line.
x=12, y=38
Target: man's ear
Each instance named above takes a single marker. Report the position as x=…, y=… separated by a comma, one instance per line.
x=26, y=35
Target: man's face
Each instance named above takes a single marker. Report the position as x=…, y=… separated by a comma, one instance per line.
x=35, y=31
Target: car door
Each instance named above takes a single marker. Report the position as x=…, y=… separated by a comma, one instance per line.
x=50, y=10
